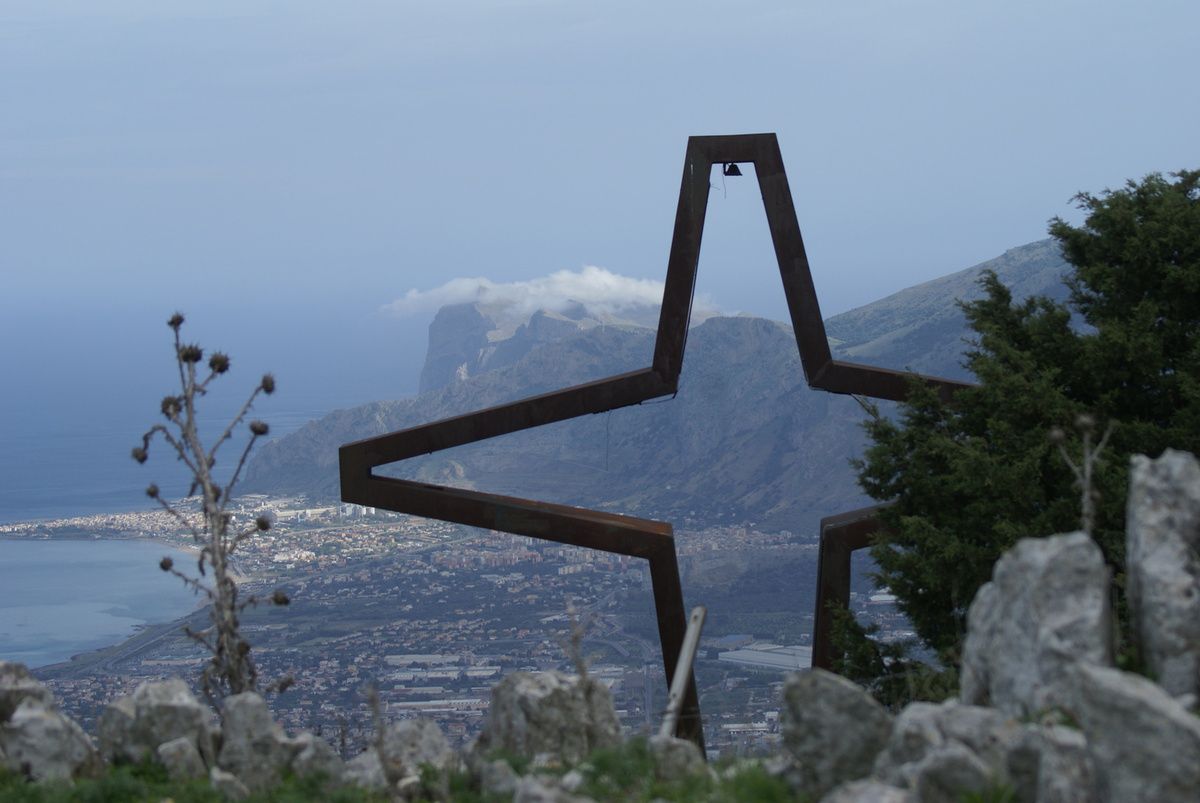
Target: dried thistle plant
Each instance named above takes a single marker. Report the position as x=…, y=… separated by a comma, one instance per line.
x=572, y=641
x=1084, y=470
x=230, y=670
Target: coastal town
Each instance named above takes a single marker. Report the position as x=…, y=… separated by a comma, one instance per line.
x=428, y=616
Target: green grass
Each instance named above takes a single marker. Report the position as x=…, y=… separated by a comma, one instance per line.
x=625, y=773
x=996, y=793
x=148, y=782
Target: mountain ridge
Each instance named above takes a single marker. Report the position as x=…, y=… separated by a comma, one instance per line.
x=745, y=440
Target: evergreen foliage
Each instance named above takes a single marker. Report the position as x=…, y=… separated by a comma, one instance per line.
x=969, y=478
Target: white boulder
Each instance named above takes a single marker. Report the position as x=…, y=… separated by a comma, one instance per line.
x=1144, y=744
x=181, y=759
x=253, y=746
x=1162, y=557
x=550, y=713
x=16, y=686
x=45, y=745
x=157, y=712
x=1046, y=609
x=832, y=730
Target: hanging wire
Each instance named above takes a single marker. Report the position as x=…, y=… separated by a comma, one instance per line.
x=607, y=422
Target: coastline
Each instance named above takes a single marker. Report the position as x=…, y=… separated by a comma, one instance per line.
x=58, y=610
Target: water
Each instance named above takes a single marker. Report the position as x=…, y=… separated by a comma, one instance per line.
x=61, y=598
x=82, y=467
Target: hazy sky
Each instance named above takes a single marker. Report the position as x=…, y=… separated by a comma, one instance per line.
x=282, y=170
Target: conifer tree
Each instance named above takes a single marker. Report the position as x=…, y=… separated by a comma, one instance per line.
x=970, y=477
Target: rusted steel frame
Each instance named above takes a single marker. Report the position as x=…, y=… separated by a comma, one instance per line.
x=591, y=529
x=821, y=371
x=841, y=535
x=600, y=396
x=604, y=531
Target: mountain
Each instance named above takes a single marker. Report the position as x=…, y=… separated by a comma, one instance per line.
x=921, y=327
x=745, y=440
x=466, y=340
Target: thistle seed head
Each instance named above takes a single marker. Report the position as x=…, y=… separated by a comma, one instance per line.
x=268, y=384
x=259, y=428
x=175, y=321
x=1056, y=435
x=171, y=406
x=152, y=491
x=165, y=564
x=262, y=523
x=190, y=353
x=218, y=362
x=1085, y=422
x=280, y=597
x=139, y=454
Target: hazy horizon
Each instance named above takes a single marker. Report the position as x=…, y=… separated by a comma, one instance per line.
x=284, y=173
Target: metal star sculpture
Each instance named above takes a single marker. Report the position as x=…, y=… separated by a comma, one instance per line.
x=625, y=535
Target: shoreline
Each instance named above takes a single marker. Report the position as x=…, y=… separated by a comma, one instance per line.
x=147, y=627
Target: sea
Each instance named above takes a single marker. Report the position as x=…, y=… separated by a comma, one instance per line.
x=84, y=468
x=59, y=598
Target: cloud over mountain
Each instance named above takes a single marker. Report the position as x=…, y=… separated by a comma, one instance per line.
x=599, y=290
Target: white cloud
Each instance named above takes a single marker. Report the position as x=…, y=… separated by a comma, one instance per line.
x=601, y=291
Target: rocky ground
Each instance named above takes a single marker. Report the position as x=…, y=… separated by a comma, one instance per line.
x=1043, y=714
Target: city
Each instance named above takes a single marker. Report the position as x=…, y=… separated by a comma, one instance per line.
x=432, y=615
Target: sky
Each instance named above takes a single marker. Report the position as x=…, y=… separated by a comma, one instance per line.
x=288, y=173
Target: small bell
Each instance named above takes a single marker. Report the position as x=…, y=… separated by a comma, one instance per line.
x=731, y=169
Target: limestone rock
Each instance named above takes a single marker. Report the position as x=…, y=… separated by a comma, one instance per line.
x=1046, y=608
x=43, y=744
x=253, y=746
x=868, y=791
x=1145, y=745
x=532, y=789
x=832, y=729
x=1162, y=555
x=409, y=744
x=549, y=712
x=157, y=712
x=1050, y=763
x=228, y=784
x=16, y=686
x=676, y=759
x=1065, y=771
x=182, y=759
x=497, y=779
x=410, y=787
x=366, y=770
x=923, y=729
x=572, y=781
x=950, y=772
x=315, y=756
